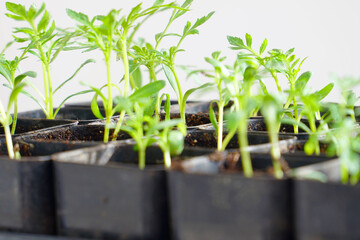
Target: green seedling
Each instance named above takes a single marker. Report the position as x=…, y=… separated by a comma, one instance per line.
x=169, y=56
x=8, y=69
x=245, y=104
x=45, y=43
x=271, y=109
x=143, y=127
x=111, y=33
x=6, y=119
x=345, y=143
x=220, y=72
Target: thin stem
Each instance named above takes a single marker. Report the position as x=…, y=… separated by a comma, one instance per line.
x=125, y=59
x=9, y=143
x=167, y=158
x=13, y=127
x=142, y=156
x=244, y=153
x=118, y=125
x=227, y=139
x=220, y=125
x=179, y=95
x=50, y=94
x=109, y=107
x=273, y=74
x=275, y=153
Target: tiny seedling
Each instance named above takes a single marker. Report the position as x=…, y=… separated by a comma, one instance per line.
x=168, y=57
x=6, y=119
x=45, y=43
x=145, y=128
x=220, y=72
x=8, y=69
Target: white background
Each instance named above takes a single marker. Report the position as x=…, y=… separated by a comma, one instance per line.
x=325, y=31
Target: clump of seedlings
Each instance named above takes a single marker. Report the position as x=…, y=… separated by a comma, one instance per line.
x=45, y=43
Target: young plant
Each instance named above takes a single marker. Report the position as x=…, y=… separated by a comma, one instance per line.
x=345, y=143
x=110, y=33
x=143, y=127
x=169, y=56
x=276, y=62
x=6, y=119
x=271, y=109
x=245, y=104
x=220, y=72
x=45, y=44
x=8, y=69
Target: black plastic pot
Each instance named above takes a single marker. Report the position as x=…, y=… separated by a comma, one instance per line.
x=28, y=126
x=79, y=136
x=26, y=195
x=22, y=236
x=115, y=200
x=258, y=141
x=213, y=205
x=257, y=124
x=326, y=210
x=82, y=114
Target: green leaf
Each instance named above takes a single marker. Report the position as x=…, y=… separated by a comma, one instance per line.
x=263, y=46
x=68, y=97
x=212, y=116
x=263, y=87
x=20, y=77
x=302, y=81
x=147, y=90
x=122, y=104
x=15, y=17
x=135, y=74
x=202, y=20
x=5, y=72
x=74, y=74
x=79, y=17
x=171, y=78
x=236, y=43
x=17, y=9
x=321, y=94
x=167, y=105
x=95, y=107
x=176, y=142
x=248, y=40
x=190, y=91
x=14, y=93
x=44, y=22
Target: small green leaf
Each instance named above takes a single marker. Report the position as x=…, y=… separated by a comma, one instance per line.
x=17, y=9
x=212, y=116
x=176, y=142
x=263, y=46
x=302, y=81
x=15, y=17
x=248, y=40
x=171, y=78
x=14, y=93
x=79, y=17
x=95, y=107
x=20, y=77
x=321, y=94
x=190, y=91
x=147, y=90
x=44, y=22
x=236, y=43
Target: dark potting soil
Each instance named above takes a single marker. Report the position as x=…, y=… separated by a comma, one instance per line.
x=192, y=119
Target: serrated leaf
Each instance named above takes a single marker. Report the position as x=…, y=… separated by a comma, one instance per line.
x=236, y=42
x=79, y=17
x=248, y=40
x=263, y=46
x=17, y=9
x=202, y=20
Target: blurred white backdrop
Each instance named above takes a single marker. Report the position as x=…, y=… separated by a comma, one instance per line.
x=325, y=31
